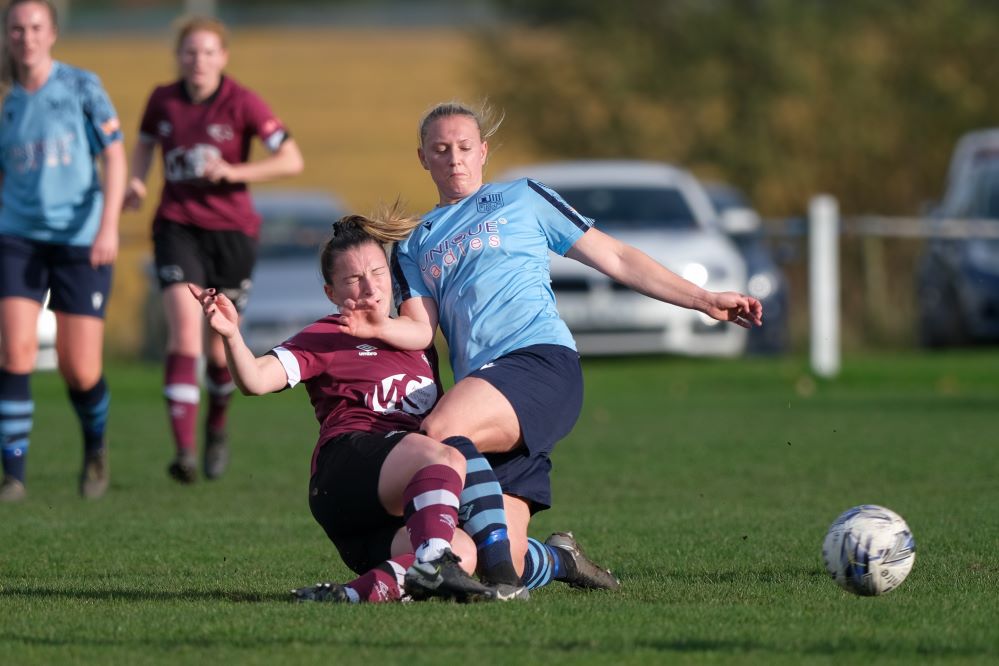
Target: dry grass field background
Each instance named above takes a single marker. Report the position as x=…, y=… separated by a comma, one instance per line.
x=352, y=99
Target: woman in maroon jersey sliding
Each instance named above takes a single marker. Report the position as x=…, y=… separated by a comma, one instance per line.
x=205, y=228
x=387, y=495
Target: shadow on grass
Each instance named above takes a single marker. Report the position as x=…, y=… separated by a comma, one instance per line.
x=745, y=576
x=754, y=651
x=142, y=596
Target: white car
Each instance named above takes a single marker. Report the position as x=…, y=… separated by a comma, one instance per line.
x=664, y=211
x=46, y=359
x=287, y=290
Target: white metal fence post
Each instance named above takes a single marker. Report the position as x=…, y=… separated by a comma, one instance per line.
x=823, y=284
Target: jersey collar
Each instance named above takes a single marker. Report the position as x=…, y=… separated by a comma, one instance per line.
x=208, y=100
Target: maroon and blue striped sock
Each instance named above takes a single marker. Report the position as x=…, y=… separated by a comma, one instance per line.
x=381, y=584
x=182, y=395
x=220, y=387
x=431, y=510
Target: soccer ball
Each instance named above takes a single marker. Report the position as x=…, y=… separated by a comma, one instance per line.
x=869, y=550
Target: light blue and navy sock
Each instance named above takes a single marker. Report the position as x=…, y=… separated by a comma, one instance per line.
x=16, y=412
x=92, y=408
x=542, y=564
x=482, y=516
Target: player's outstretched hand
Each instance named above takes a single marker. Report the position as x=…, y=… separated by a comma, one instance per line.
x=220, y=313
x=361, y=318
x=737, y=308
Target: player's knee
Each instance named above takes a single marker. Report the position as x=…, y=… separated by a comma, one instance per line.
x=79, y=379
x=19, y=358
x=432, y=452
x=452, y=457
x=437, y=427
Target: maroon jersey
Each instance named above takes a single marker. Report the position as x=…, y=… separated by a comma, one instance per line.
x=359, y=385
x=190, y=135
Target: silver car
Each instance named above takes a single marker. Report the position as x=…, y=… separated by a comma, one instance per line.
x=664, y=211
x=287, y=290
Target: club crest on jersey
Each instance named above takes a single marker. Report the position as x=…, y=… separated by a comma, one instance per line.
x=487, y=203
x=367, y=350
x=220, y=133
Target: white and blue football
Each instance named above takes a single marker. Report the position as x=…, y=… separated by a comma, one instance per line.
x=869, y=550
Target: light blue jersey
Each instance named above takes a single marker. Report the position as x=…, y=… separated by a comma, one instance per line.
x=48, y=143
x=484, y=260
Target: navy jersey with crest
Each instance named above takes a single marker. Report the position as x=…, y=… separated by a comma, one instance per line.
x=484, y=260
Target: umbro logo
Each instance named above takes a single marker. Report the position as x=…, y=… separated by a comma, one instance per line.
x=367, y=350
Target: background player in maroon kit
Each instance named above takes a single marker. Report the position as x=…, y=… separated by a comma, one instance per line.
x=386, y=495
x=205, y=229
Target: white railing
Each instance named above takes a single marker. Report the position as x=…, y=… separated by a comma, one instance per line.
x=824, y=229
x=920, y=227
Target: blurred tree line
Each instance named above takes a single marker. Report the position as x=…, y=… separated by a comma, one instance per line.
x=784, y=98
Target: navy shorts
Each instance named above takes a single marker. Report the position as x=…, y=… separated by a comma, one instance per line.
x=28, y=268
x=222, y=260
x=343, y=497
x=544, y=383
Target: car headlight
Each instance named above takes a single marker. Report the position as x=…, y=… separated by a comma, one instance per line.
x=696, y=273
x=761, y=285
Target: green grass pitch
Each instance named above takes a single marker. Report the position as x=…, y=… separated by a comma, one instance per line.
x=706, y=485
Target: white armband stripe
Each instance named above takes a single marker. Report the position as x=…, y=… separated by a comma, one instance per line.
x=290, y=364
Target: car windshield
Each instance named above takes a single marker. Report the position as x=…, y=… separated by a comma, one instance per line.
x=723, y=198
x=985, y=192
x=285, y=236
x=632, y=207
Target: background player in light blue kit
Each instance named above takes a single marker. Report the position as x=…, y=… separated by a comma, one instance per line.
x=58, y=232
x=478, y=265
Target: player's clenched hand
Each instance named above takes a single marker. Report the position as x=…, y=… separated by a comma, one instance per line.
x=218, y=171
x=135, y=193
x=737, y=308
x=219, y=311
x=361, y=318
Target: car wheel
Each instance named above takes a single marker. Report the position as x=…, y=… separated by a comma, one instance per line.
x=941, y=322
